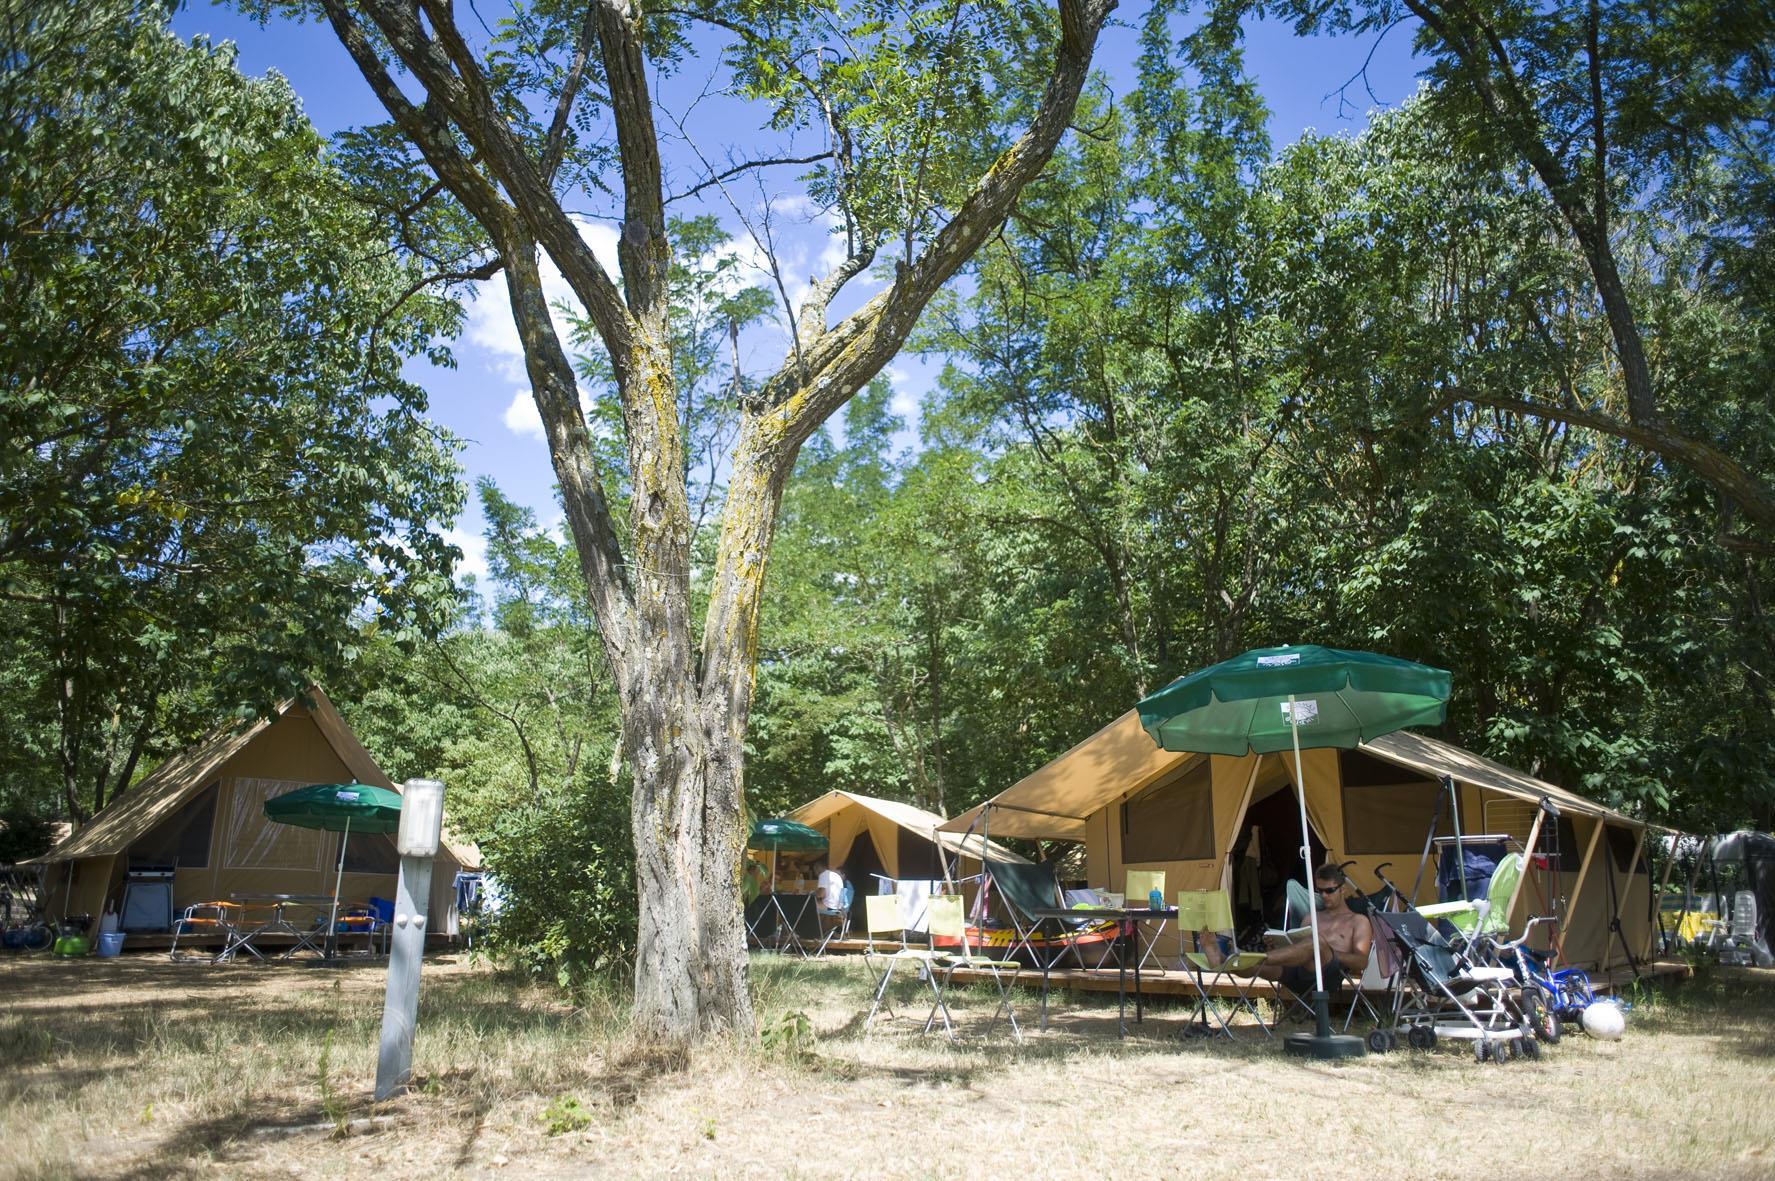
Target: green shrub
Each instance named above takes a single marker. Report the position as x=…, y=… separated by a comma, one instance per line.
x=565, y=868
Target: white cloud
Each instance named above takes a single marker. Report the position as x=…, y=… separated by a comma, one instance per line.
x=490, y=325
x=474, y=553
x=522, y=417
x=906, y=396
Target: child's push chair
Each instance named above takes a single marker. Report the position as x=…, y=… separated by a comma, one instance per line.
x=1439, y=993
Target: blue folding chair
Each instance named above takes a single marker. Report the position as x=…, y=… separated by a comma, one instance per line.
x=841, y=928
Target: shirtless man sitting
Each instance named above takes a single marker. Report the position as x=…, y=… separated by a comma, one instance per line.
x=1344, y=940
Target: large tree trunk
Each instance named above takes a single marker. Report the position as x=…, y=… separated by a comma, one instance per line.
x=690, y=956
x=685, y=709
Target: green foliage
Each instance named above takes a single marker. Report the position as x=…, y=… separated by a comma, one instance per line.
x=790, y=1036
x=565, y=1113
x=24, y=832
x=565, y=867
x=1194, y=403
x=211, y=462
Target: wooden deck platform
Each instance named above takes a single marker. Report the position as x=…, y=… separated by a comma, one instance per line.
x=1177, y=983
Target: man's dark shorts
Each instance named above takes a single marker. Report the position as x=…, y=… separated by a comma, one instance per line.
x=1299, y=979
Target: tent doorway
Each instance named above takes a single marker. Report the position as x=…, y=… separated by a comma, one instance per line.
x=861, y=867
x=1266, y=853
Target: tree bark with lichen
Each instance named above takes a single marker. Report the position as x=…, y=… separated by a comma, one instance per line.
x=685, y=699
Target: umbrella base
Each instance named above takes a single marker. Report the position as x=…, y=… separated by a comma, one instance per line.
x=1330, y=1046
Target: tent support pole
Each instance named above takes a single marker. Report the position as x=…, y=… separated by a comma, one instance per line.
x=1417, y=883
x=1617, y=890
x=1454, y=795
x=1528, y=867
x=1226, y=870
x=1676, y=844
x=1571, y=908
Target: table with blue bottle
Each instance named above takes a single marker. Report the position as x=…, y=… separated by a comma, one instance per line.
x=1127, y=920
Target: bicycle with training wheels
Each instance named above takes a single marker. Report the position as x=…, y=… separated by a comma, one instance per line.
x=1557, y=995
x=24, y=923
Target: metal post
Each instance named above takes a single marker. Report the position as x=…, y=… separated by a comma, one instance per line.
x=421, y=824
x=400, y=1008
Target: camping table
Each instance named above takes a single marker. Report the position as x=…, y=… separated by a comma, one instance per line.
x=280, y=924
x=1127, y=920
x=785, y=905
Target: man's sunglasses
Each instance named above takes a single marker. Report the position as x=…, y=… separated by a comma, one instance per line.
x=1329, y=889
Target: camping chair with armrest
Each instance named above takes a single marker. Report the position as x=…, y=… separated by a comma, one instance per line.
x=227, y=921
x=372, y=920
x=1024, y=889
x=1211, y=911
x=1139, y=886
x=881, y=914
x=947, y=921
x=1488, y=916
x=1297, y=907
x=841, y=925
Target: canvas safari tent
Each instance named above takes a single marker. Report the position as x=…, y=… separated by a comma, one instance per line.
x=203, y=811
x=867, y=836
x=1135, y=806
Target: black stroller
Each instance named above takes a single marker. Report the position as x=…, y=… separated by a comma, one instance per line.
x=1440, y=993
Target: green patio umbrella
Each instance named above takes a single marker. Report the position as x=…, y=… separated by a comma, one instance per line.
x=342, y=808
x=790, y=836
x=786, y=836
x=1275, y=699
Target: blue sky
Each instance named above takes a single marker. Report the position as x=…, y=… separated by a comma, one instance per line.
x=483, y=400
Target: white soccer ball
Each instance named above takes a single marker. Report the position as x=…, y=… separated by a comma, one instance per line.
x=1605, y=1021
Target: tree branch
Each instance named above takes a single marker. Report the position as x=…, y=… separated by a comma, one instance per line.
x=730, y=173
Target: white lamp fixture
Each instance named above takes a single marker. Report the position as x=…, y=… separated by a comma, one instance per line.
x=422, y=818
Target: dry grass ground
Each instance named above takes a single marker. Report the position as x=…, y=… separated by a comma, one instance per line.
x=137, y=1068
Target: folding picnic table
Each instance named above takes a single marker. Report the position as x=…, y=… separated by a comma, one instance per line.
x=775, y=919
x=1127, y=920
x=279, y=923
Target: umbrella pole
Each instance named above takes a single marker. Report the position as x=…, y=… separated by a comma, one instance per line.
x=338, y=878
x=1321, y=1009
x=1321, y=1043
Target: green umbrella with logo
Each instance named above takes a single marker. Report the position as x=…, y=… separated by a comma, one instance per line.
x=343, y=808
x=1270, y=700
x=780, y=835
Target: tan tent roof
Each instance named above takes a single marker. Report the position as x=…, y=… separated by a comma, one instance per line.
x=1433, y=758
x=925, y=824
x=1053, y=802
x=188, y=772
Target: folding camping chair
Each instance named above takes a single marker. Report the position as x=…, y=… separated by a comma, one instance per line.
x=1297, y=907
x=881, y=913
x=228, y=921
x=1140, y=885
x=841, y=929
x=1212, y=911
x=947, y=922
x=1026, y=888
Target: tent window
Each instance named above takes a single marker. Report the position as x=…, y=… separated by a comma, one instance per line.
x=182, y=839
x=254, y=842
x=1393, y=817
x=1621, y=843
x=370, y=853
x=1172, y=821
x=1571, y=853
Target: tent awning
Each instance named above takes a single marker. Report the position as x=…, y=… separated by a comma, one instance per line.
x=1434, y=758
x=1053, y=802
